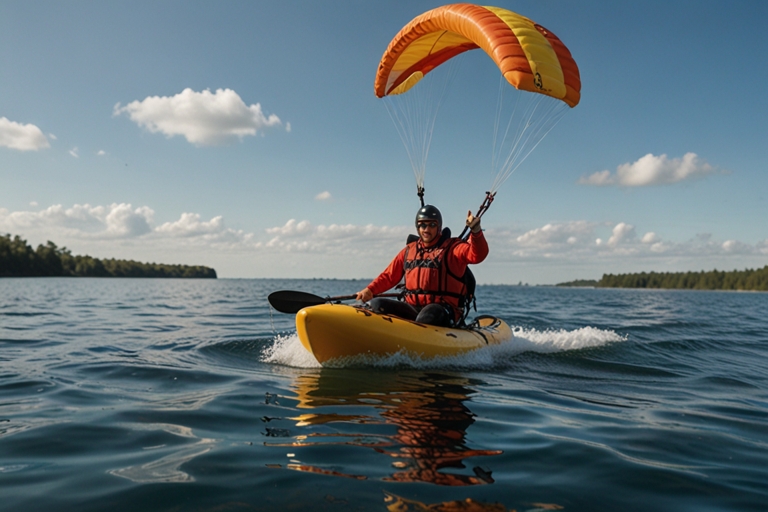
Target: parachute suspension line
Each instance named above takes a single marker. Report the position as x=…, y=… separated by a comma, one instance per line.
x=414, y=114
x=496, y=154
x=537, y=115
x=412, y=129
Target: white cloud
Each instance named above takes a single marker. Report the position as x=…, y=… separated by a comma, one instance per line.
x=575, y=243
x=652, y=170
x=203, y=118
x=291, y=228
x=24, y=137
x=120, y=222
x=650, y=238
x=189, y=224
x=323, y=196
x=74, y=152
x=123, y=221
x=559, y=251
x=191, y=227
x=101, y=152
x=554, y=235
x=125, y=224
x=622, y=232
x=736, y=247
x=81, y=221
x=354, y=240
x=581, y=242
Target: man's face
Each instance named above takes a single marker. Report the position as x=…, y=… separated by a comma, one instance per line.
x=429, y=232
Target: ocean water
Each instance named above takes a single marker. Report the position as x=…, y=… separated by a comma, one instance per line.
x=169, y=395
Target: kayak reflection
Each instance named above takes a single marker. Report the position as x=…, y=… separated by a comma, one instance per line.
x=396, y=503
x=427, y=410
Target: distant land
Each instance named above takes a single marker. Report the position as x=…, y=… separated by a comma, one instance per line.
x=745, y=280
x=18, y=259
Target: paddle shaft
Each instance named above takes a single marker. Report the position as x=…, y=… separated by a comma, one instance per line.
x=350, y=297
x=287, y=301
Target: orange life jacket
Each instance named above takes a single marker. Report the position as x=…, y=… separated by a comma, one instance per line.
x=429, y=279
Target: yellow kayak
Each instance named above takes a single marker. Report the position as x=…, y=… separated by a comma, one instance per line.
x=332, y=331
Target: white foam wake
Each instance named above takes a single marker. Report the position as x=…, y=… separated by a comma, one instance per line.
x=288, y=350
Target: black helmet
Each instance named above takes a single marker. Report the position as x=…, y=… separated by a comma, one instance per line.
x=429, y=212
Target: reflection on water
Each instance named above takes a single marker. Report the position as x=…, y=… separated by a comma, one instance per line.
x=396, y=503
x=166, y=468
x=399, y=504
x=428, y=412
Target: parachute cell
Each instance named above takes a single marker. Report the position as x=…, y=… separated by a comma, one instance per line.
x=529, y=57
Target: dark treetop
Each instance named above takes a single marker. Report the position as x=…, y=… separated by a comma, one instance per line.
x=748, y=279
x=17, y=259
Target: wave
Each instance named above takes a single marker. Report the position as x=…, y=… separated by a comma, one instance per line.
x=287, y=350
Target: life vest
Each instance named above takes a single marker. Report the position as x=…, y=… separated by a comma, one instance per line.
x=429, y=279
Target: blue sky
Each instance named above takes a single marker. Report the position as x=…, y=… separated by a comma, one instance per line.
x=246, y=136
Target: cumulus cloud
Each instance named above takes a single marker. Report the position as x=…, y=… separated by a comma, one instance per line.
x=291, y=228
x=303, y=236
x=116, y=221
x=121, y=222
x=86, y=221
x=191, y=226
x=581, y=241
x=621, y=232
x=23, y=137
x=574, y=239
x=323, y=196
x=650, y=238
x=651, y=170
x=203, y=118
x=555, y=235
x=736, y=247
x=336, y=249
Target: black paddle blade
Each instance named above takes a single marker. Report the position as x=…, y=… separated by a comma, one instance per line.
x=287, y=301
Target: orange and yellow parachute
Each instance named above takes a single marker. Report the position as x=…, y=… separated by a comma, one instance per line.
x=530, y=57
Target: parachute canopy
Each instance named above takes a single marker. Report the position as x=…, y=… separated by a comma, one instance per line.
x=530, y=57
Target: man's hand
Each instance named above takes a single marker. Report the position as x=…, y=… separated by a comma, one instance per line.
x=473, y=223
x=364, y=295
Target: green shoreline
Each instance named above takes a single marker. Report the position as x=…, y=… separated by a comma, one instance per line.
x=735, y=280
x=18, y=259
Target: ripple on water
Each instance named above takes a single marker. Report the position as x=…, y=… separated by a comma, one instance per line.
x=154, y=395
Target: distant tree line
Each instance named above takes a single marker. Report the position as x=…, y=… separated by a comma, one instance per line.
x=752, y=280
x=712, y=280
x=18, y=259
x=580, y=282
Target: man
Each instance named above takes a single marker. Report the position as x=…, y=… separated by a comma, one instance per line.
x=434, y=267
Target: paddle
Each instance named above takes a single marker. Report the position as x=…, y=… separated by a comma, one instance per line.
x=287, y=301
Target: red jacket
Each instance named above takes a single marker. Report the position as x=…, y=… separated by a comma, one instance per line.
x=433, y=274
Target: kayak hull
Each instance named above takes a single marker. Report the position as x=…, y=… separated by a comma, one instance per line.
x=336, y=331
